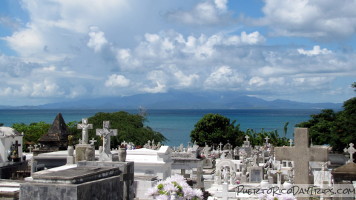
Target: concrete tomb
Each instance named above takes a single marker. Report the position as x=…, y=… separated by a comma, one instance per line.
x=88, y=180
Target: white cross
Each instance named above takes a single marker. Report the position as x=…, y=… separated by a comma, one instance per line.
x=266, y=138
x=290, y=142
x=30, y=148
x=247, y=137
x=220, y=145
x=84, y=126
x=351, y=150
x=92, y=141
x=105, y=134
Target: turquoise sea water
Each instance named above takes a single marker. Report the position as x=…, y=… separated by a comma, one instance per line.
x=176, y=125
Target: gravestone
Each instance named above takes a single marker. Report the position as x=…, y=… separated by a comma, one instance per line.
x=301, y=154
x=351, y=150
x=84, y=126
x=83, y=150
x=256, y=174
x=105, y=134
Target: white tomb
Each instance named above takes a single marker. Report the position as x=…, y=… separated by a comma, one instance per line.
x=151, y=162
x=10, y=139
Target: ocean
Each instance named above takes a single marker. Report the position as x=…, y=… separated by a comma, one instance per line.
x=176, y=125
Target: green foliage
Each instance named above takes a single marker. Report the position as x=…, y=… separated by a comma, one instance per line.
x=130, y=128
x=337, y=129
x=214, y=128
x=32, y=132
x=258, y=139
x=1, y=124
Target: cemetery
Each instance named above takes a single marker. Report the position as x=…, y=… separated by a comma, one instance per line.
x=224, y=171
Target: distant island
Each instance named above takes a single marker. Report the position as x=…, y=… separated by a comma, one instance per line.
x=180, y=100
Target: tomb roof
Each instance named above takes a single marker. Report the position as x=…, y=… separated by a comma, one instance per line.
x=57, y=132
x=349, y=168
x=8, y=132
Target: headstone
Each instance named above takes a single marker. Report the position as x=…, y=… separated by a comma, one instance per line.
x=290, y=142
x=92, y=141
x=84, y=126
x=30, y=148
x=267, y=138
x=301, y=154
x=351, y=150
x=105, y=134
x=256, y=174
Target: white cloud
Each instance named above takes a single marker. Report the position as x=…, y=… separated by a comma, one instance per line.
x=317, y=19
x=97, y=39
x=315, y=51
x=117, y=80
x=159, y=88
x=204, y=13
x=222, y=77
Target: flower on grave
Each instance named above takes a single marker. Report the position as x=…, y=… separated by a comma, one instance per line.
x=237, y=182
x=174, y=187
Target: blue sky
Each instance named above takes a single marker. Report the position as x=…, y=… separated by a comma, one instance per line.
x=59, y=50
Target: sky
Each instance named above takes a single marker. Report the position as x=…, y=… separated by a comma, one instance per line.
x=62, y=50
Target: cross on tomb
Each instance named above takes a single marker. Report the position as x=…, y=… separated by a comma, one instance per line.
x=247, y=137
x=92, y=141
x=84, y=126
x=105, y=134
x=351, y=150
x=17, y=145
x=30, y=148
x=290, y=142
x=301, y=154
x=220, y=145
x=266, y=138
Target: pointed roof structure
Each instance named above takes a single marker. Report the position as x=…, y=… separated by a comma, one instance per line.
x=57, y=135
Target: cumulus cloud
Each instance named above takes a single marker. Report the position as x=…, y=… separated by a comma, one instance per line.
x=315, y=51
x=96, y=39
x=317, y=19
x=78, y=49
x=208, y=12
x=117, y=80
x=222, y=77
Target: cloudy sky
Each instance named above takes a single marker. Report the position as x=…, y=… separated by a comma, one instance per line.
x=55, y=50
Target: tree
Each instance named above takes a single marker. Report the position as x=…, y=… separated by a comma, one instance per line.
x=32, y=132
x=130, y=128
x=336, y=129
x=258, y=139
x=214, y=128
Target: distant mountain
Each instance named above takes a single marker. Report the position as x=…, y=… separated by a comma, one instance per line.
x=186, y=100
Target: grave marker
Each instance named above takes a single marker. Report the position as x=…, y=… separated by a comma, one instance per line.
x=301, y=154
x=84, y=126
x=105, y=134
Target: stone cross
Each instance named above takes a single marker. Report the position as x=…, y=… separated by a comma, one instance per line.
x=30, y=148
x=105, y=134
x=92, y=141
x=247, y=137
x=290, y=142
x=266, y=138
x=301, y=154
x=351, y=150
x=220, y=145
x=36, y=145
x=85, y=126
